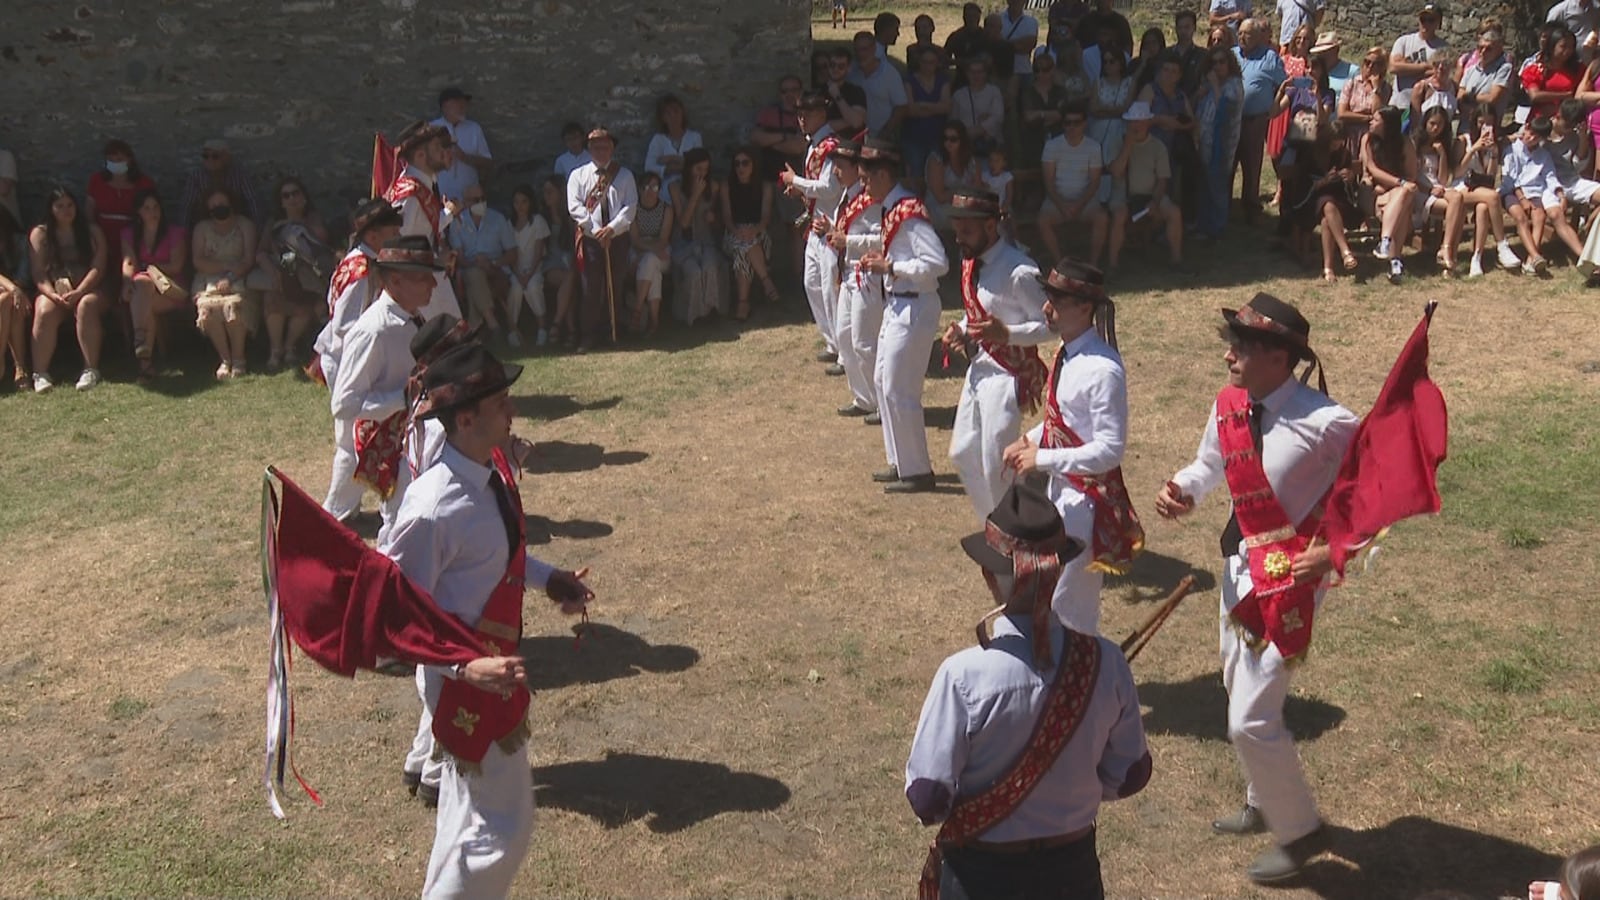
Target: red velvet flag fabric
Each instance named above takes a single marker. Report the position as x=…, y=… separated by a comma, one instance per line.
x=1391, y=470
x=385, y=165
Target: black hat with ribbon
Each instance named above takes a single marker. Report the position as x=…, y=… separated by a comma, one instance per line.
x=974, y=203
x=438, y=336
x=1276, y=322
x=850, y=150
x=1070, y=278
x=1024, y=539
x=418, y=133
x=880, y=150
x=374, y=213
x=407, y=253
x=462, y=377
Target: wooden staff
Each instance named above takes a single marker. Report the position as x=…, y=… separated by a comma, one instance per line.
x=611, y=294
x=1136, y=641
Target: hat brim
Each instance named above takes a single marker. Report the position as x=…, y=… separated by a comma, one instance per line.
x=977, y=547
x=1324, y=48
x=1231, y=318
x=511, y=371
x=408, y=267
x=390, y=216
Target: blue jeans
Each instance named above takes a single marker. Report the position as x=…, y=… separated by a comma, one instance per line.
x=1216, y=193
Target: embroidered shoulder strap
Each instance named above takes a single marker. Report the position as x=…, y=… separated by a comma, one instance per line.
x=1022, y=363
x=904, y=210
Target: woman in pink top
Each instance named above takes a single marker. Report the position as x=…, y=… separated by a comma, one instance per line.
x=155, y=253
x=112, y=195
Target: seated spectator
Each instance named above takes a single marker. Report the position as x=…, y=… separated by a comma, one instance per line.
x=1438, y=158
x=1485, y=79
x=558, y=272
x=1580, y=873
x=293, y=265
x=980, y=107
x=954, y=167
x=109, y=198
x=1363, y=95
x=1389, y=162
x=928, y=88
x=574, y=137
x=485, y=249
x=698, y=267
x=1142, y=175
x=223, y=249
x=1408, y=58
x=16, y=301
x=1478, y=181
x=1038, y=111
x=1113, y=94
x=997, y=177
x=1152, y=44
x=8, y=185
x=67, y=257
x=1436, y=89
x=218, y=171
x=1573, y=154
x=1534, y=196
x=470, y=159
x=1219, y=113
x=532, y=234
x=155, y=263
x=1072, y=175
x=652, y=253
x=922, y=26
x=747, y=208
x=673, y=138
x=1321, y=191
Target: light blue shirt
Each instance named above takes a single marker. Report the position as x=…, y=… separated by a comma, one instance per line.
x=1339, y=74
x=1263, y=73
x=492, y=238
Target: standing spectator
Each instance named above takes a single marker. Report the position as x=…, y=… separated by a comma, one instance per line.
x=968, y=41
x=1362, y=96
x=68, y=255
x=224, y=253
x=922, y=26
x=886, y=32
x=652, y=253
x=1072, y=174
x=847, y=101
x=1296, y=65
x=1230, y=14
x=884, y=87
x=1390, y=164
x=1076, y=86
x=1478, y=180
x=1340, y=70
x=819, y=66
x=16, y=300
x=1486, y=80
x=1142, y=173
x=929, y=91
x=1173, y=124
x=1408, y=59
x=1582, y=18
x=293, y=265
x=1152, y=44
x=1219, y=114
x=485, y=248
x=558, y=269
x=980, y=107
x=532, y=234
x=1113, y=94
x=1002, y=56
x=1294, y=15
x=784, y=143
x=1094, y=56
x=602, y=198
x=951, y=169
x=1103, y=16
x=1191, y=56
x=577, y=152
x=218, y=171
x=470, y=159
x=1221, y=36
x=673, y=138
x=1021, y=31
x=109, y=198
x=1262, y=71
x=8, y=185
x=747, y=210
x=155, y=256
x=841, y=13
x=1038, y=112
x=698, y=267
x=1438, y=89
x=1554, y=75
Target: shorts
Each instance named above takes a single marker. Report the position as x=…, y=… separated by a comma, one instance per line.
x=1580, y=193
x=1085, y=214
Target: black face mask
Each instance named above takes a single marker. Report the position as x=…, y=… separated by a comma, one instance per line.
x=220, y=213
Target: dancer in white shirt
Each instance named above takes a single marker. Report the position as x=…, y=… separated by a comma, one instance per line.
x=424, y=150
x=821, y=188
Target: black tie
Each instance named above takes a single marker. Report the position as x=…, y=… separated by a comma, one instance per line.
x=1231, y=535
x=418, y=321
x=438, y=195
x=508, y=513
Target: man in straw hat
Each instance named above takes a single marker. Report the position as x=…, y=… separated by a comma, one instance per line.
x=1339, y=70
x=1080, y=443
x=1022, y=736
x=910, y=264
x=602, y=198
x=1279, y=444
x=424, y=150
x=1000, y=330
x=821, y=187
x=460, y=538
x=1140, y=190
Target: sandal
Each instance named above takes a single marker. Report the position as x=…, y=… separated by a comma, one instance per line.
x=22, y=381
x=1349, y=262
x=1328, y=276
x=770, y=289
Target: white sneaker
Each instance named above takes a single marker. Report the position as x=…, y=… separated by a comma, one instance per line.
x=1397, y=270
x=88, y=380
x=513, y=339
x=1382, y=250
x=542, y=338
x=42, y=383
x=1528, y=268
x=1508, y=256
x=1477, y=267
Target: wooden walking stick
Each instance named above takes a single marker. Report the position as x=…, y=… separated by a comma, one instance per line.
x=1136, y=641
x=611, y=294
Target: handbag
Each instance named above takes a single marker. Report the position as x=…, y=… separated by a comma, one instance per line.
x=1476, y=180
x=1303, y=125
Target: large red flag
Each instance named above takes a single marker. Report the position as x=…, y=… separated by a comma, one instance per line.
x=385, y=165
x=1391, y=470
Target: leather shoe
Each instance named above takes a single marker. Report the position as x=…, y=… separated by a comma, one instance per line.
x=873, y=419
x=834, y=369
x=850, y=410
x=429, y=795
x=1282, y=863
x=1245, y=821
x=887, y=476
x=916, y=484
x=823, y=356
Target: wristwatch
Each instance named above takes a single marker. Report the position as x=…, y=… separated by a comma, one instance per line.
x=460, y=671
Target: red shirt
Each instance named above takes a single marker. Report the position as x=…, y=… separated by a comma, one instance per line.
x=1535, y=78
x=113, y=211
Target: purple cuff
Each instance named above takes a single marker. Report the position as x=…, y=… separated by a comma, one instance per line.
x=1138, y=776
x=930, y=800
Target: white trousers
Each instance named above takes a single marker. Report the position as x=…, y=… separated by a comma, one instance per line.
x=1257, y=683
x=1077, y=597
x=483, y=830
x=987, y=421
x=443, y=299
x=820, y=281
x=518, y=294
x=905, y=343
x=858, y=316
x=344, y=492
x=421, y=758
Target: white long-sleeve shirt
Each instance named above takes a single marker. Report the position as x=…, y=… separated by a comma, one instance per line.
x=826, y=188
x=1009, y=289
x=375, y=364
x=917, y=253
x=661, y=146
x=1092, y=397
x=983, y=110
x=622, y=196
x=347, y=308
x=413, y=220
x=1533, y=172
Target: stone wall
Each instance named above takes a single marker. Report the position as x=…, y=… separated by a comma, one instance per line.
x=299, y=86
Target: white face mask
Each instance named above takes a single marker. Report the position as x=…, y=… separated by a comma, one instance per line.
x=479, y=208
x=116, y=168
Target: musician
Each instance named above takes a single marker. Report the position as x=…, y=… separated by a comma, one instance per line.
x=1079, y=445
x=602, y=198
x=821, y=187
x=1002, y=326
x=910, y=264
x=1023, y=736
x=857, y=229
x=459, y=537
x=1283, y=443
x=425, y=151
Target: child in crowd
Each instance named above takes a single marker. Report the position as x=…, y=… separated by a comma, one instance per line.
x=1533, y=196
x=997, y=176
x=1572, y=152
x=1580, y=879
x=577, y=154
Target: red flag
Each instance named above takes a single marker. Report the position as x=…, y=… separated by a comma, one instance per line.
x=385, y=165
x=1391, y=470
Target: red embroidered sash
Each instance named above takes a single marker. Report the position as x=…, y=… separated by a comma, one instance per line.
x=1276, y=609
x=1070, y=694
x=379, y=449
x=352, y=268
x=591, y=202
x=407, y=188
x=467, y=720
x=1023, y=363
x=904, y=210
x=816, y=157
x=1118, y=535
x=850, y=209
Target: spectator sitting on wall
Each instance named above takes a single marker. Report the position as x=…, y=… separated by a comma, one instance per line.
x=8, y=184
x=469, y=149
x=577, y=152
x=218, y=171
x=16, y=300
x=673, y=138
x=485, y=248
x=109, y=198
x=224, y=253
x=67, y=259
x=1141, y=178
x=293, y=266
x=532, y=234
x=155, y=257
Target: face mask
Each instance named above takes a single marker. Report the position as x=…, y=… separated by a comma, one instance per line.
x=221, y=212
x=116, y=168
x=479, y=208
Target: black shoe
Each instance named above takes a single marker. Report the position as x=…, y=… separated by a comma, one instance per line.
x=1276, y=863
x=916, y=484
x=887, y=476
x=1245, y=821
x=824, y=356
x=412, y=781
x=834, y=369
x=428, y=794
x=850, y=410
x=873, y=419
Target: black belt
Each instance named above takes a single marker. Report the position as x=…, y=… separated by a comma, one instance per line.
x=1029, y=846
x=911, y=295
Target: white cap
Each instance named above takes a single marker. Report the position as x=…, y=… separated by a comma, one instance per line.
x=1139, y=111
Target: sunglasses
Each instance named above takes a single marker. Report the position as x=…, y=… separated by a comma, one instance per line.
x=743, y=163
x=290, y=194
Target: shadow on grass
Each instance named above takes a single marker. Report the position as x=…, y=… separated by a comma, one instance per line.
x=550, y=407
x=1154, y=576
x=1412, y=855
x=669, y=795
x=565, y=457
x=604, y=653
x=1198, y=708
x=941, y=418
x=541, y=530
